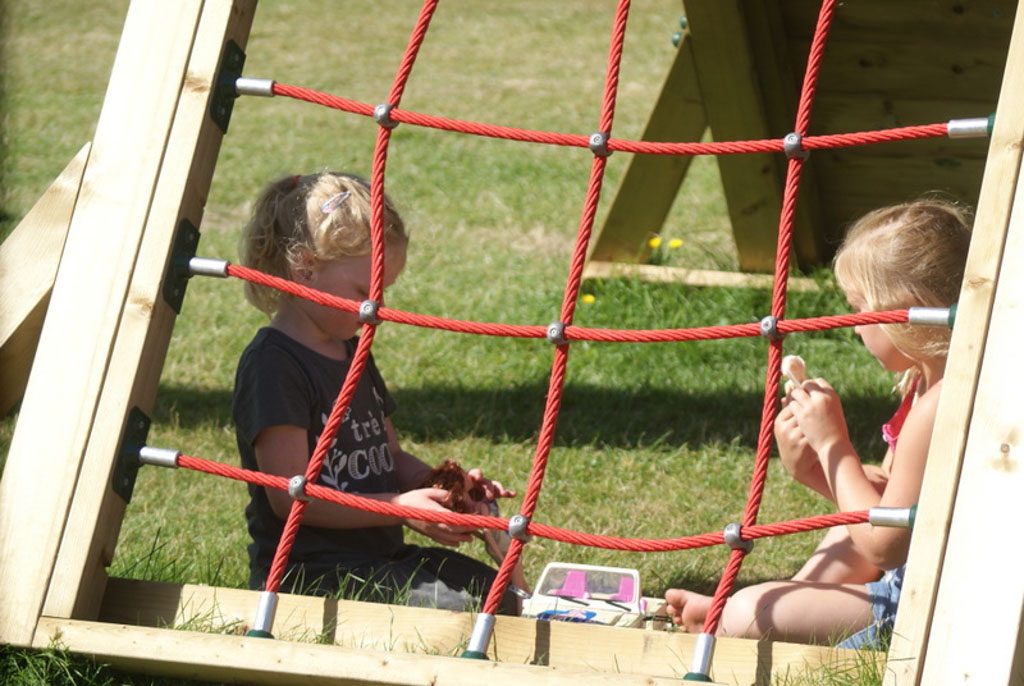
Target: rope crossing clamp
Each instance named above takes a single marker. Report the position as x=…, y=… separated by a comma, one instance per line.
x=517, y=525
x=556, y=333
x=368, y=312
x=382, y=115
x=598, y=144
x=770, y=328
x=793, y=146
x=733, y=535
x=297, y=488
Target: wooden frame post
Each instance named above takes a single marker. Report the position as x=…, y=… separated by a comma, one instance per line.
x=961, y=610
x=146, y=178
x=150, y=167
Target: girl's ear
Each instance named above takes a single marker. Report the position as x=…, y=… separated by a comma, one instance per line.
x=303, y=266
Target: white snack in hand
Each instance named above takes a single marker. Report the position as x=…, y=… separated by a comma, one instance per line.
x=794, y=368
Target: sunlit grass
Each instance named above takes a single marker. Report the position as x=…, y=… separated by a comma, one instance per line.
x=653, y=440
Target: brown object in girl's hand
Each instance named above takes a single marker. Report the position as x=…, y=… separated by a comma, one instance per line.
x=450, y=476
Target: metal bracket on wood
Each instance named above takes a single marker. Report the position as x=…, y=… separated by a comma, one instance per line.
x=133, y=439
x=186, y=240
x=222, y=101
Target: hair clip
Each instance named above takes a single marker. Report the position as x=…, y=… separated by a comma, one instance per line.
x=334, y=202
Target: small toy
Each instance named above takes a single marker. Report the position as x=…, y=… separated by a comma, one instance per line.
x=795, y=369
x=587, y=593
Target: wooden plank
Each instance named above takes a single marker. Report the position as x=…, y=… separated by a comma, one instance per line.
x=145, y=328
x=912, y=65
x=911, y=640
x=28, y=265
x=649, y=187
x=946, y=23
x=737, y=109
x=689, y=277
x=187, y=654
x=88, y=297
x=370, y=626
x=981, y=571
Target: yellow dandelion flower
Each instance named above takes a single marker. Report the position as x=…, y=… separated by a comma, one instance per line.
x=654, y=242
x=587, y=299
x=675, y=243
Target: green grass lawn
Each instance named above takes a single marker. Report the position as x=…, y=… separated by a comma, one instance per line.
x=654, y=440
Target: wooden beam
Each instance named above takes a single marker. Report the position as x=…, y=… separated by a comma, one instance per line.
x=967, y=406
x=144, y=329
x=187, y=654
x=737, y=61
x=690, y=277
x=394, y=629
x=981, y=569
x=651, y=182
x=88, y=298
x=28, y=265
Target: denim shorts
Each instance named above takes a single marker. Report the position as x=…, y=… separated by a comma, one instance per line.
x=885, y=598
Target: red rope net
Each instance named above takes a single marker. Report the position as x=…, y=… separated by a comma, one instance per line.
x=392, y=115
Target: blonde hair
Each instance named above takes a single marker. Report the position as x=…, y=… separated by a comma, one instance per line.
x=297, y=219
x=908, y=255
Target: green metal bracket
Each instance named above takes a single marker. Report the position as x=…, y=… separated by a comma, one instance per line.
x=223, y=98
x=133, y=438
x=186, y=240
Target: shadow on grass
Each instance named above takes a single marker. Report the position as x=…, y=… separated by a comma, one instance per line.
x=590, y=415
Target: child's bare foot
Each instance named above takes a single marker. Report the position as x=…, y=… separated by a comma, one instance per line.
x=687, y=609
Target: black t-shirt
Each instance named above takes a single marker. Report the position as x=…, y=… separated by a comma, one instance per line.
x=281, y=382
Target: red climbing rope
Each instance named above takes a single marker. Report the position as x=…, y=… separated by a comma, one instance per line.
x=575, y=140
x=639, y=545
x=572, y=333
x=388, y=115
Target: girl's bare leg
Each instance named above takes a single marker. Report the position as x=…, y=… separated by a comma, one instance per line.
x=837, y=561
x=797, y=611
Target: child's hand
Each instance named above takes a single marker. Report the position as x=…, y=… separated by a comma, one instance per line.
x=433, y=499
x=797, y=455
x=819, y=414
x=491, y=489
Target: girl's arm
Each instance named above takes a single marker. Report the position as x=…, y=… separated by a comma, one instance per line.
x=796, y=454
x=282, y=450
x=820, y=415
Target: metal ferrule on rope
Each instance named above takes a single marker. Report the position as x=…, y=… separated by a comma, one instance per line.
x=208, y=266
x=265, y=612
x=159, y=457
x=930, y=316
x=703, y=650
x=246, y=85
x=895, y=517
x=481, y=636
x=977, y=127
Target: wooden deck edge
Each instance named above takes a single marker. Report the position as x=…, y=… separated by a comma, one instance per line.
x=691, y=277
x=401, y=632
